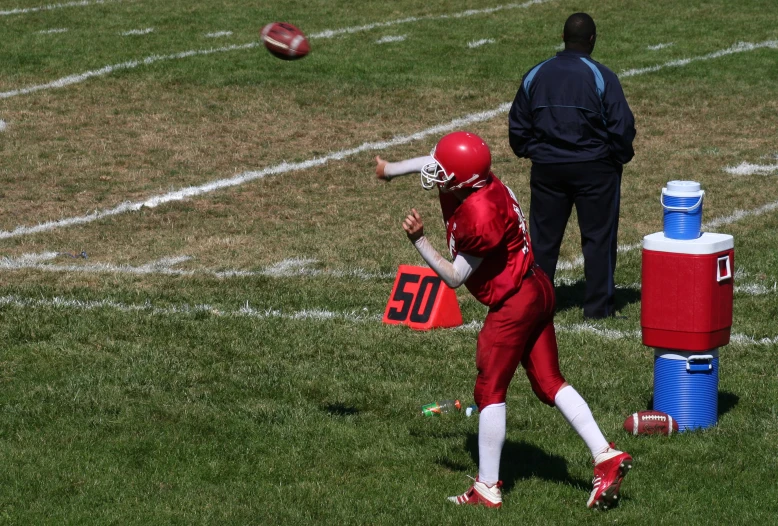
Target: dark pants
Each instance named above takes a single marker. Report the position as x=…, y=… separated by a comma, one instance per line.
x=594, y=188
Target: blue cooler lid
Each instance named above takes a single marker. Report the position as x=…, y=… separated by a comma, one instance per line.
x=707, y=243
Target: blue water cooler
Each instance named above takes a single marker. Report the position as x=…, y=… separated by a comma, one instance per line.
x=686, y=387
x=686, y=307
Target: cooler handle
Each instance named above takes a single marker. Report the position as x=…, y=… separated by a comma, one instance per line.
x=699, y=367
x=723, y=270
x=680, y=208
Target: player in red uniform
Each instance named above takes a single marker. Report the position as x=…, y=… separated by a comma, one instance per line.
x=492, y=256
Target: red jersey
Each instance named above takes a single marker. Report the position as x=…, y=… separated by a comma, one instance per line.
x=489, y=224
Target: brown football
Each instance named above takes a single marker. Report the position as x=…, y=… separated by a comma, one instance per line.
x=284, y=41
x=650, y=423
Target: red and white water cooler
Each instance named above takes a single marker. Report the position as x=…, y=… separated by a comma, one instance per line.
x=686, y=315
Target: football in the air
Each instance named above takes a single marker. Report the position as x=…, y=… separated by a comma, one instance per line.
x=284, y=41
x=650, y=423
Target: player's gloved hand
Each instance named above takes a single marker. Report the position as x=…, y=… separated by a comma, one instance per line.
x=380, y=167
x=413, y=225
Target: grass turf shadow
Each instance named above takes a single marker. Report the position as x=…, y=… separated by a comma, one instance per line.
x=521, y=460
x=339, y=409
x=572, y=296
x=726, y=402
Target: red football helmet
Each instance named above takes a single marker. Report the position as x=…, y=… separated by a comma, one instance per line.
x=462, y=160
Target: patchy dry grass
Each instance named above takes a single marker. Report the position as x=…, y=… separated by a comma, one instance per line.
x=169, y=142
x=116, y=411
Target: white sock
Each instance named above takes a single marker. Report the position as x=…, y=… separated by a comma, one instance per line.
x=577, y=413
x=491, y=436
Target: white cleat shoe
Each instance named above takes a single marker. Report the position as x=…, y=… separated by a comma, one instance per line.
x=609, y=472
x=480, y=493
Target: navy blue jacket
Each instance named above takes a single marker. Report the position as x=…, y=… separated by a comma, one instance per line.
x=569, y=109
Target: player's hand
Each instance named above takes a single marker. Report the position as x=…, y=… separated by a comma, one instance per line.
x=413, y=225
x=380, y=167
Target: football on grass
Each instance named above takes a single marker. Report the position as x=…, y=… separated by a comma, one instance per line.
x=650, y=423
x=284, y=41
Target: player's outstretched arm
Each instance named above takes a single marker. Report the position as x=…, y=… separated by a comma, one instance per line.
x=387, y=171
x=380, y=168
x=452, y=274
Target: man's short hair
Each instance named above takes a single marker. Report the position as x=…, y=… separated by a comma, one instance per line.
x=579, y=28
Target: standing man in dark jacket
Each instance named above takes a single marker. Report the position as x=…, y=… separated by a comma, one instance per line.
x=571, y=119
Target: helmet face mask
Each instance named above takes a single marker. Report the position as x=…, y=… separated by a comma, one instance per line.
x=433, y=174
x=461, y=160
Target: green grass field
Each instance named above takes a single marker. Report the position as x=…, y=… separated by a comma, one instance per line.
x=219, y=356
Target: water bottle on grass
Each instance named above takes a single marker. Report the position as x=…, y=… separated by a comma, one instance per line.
x=440, y=408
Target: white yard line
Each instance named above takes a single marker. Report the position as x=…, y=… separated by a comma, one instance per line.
x=747, y=289
x=570, y=265
x=356, y=316
x=50, y=7
x=134, y=32
x=387, y=39
x=742, y=339
x=165, y=263
x=81, y=77
x=745, y=168
x=245, y=177
x=53, y=31
x=329, y=33
x=478, y=43
x=288, y=268
x=28, y=259
x=293, y=267
x=3, y=125
x=740, y=47
x=184, y=309
x=657, y=47
x=218, y=34
x=737, y=215
x=756, y=289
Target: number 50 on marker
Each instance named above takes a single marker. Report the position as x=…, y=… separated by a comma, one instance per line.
x=421, y=300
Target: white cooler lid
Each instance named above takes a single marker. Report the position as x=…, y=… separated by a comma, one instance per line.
x=683, y=189
x=707, y=243
x=670, y=354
